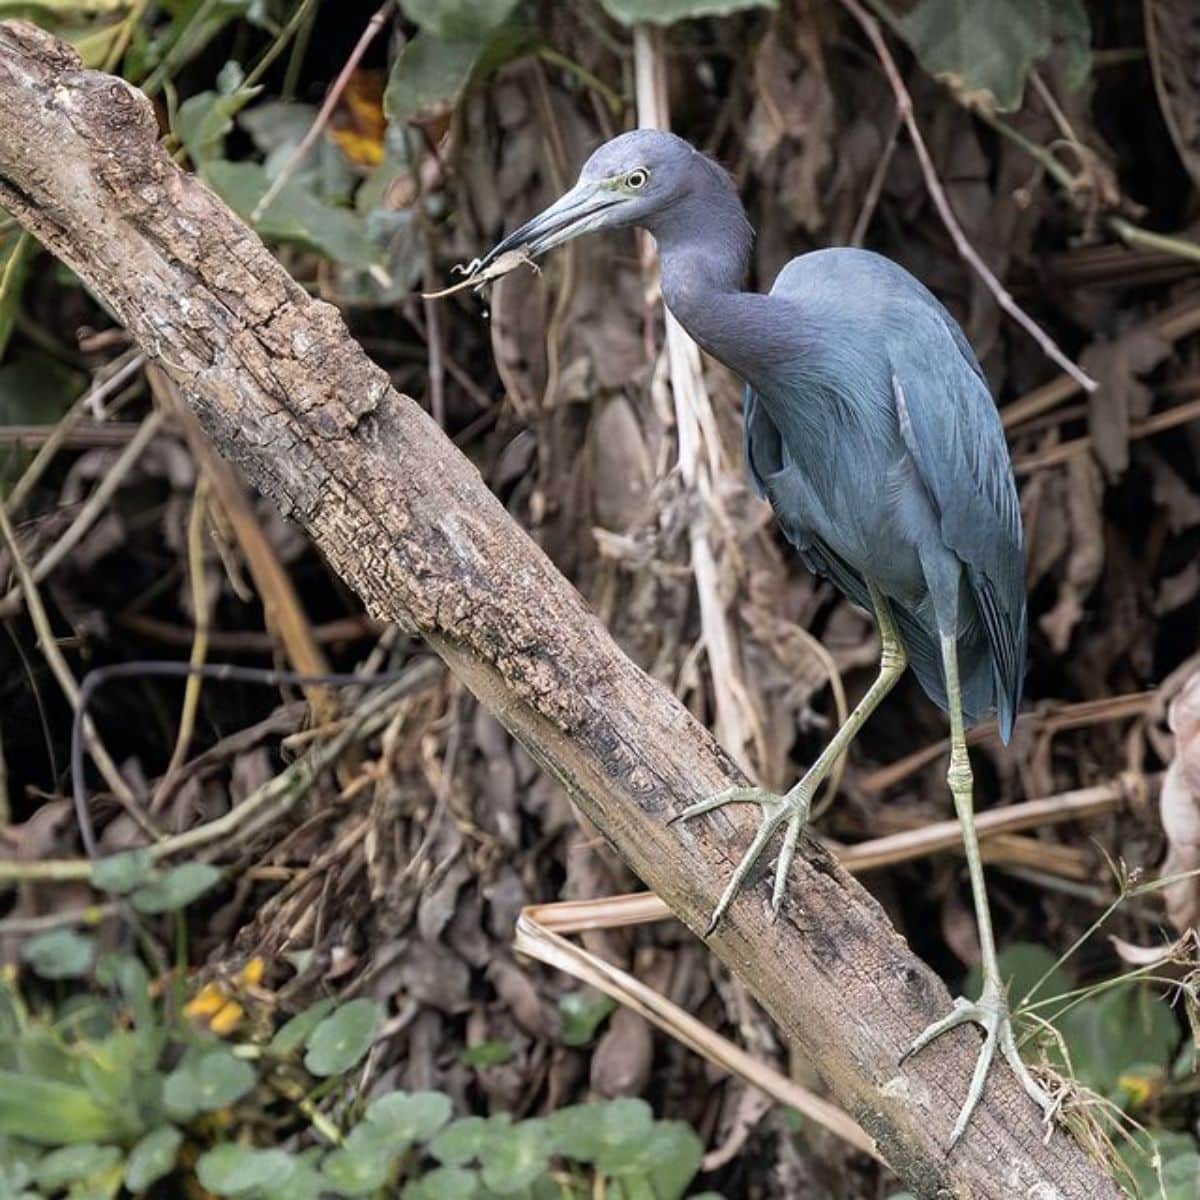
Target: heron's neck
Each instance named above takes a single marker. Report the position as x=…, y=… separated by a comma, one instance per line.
x=704, y=248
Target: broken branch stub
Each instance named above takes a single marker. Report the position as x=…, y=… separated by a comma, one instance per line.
x=283, y=390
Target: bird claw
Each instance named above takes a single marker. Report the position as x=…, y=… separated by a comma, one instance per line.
x=791, y=810
x=991, y=1013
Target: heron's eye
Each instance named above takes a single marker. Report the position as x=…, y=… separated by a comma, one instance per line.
x=636, y=180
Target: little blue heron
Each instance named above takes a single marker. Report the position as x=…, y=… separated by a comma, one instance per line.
x=870, y=429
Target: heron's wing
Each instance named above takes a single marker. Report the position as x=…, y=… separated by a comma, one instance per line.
x=765, y=459
x=924, y=654
x=951, y=428
x=762, y=446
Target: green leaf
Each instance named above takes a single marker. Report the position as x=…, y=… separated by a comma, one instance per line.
x=232, y=1170
x=609, y=1133
x=667, y=12
x=672, y=1158
x=304, y=1183
x=152, y=1158
x=60, y=954
x=342, y=1038
x=295, y=215
x=512, y=1162
x=292, y=1035
x=52, y=1113
x=121, y=873
x=410, y=1118
x=206, y=1082
x=1181, y=1177
x=428, y=77
x=361, y=1164
x=35, y=389
x=983, y=50
x=462, y=19
x=582, y=1013
x=485, y=1054
x=444, y=1183
x=1116, y=1031
x=128, y=974
x=468, y=1138
x=205, y=120
x=64, y=1166
x=1175, y=1155
x=178, y=888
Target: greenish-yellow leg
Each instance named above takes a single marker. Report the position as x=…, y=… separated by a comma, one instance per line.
x=991, y=1009
x=792, y=809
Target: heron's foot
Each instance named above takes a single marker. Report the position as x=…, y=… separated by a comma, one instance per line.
x=790, y=810
x=990, y=1012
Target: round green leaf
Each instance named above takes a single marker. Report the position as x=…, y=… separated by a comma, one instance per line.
x=1114, y=1032
x=121, y=873
x=72, y=1163
x=582, y=1013
x=60, y=954
x=176, y=889
x=468, y=1138
x=152, y=1158
x=517, y=1157
x=342, y=1038
x=485, y=1054
x=672, y=1157
x=462, y=19
x=232, y=1170
x=410, y=1118
x=352, y=1170
x=444, y=1183
x=667, y=12
x=206, y=1083
x=294, y=1033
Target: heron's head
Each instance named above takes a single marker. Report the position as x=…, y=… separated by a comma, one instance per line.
x=637, y=178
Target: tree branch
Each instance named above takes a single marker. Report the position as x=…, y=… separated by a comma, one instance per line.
x=407, y=521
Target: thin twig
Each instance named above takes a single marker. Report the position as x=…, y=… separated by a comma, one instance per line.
x=60, y=432
x=297, y=156
x=1177, y=321
x=201, y=613
x=410, y=677
x=947, y=835
x=1158, y=422
x=1069, y=716
x=282, y=791
x=93, y=914
x=5, y=803
x=941, y=202
x=87, y=516
x=72, y=691
x=875, y=188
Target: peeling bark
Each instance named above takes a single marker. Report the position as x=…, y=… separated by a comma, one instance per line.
x=406, y=520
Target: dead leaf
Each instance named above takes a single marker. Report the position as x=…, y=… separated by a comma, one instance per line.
x=1121, y=397
x=1179, y=808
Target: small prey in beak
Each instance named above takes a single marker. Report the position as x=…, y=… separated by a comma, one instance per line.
x=579, y=211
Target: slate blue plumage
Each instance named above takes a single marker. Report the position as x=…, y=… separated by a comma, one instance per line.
x=870, y=429
x=872, y=475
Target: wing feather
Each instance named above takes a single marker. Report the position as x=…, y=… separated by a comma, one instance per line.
x=951, y=428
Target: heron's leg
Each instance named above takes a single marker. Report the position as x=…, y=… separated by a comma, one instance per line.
x=792, y=809
x=990, y=1011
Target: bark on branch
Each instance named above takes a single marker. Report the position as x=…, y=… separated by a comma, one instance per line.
x=283, y=390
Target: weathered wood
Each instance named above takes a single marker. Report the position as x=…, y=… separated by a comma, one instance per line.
x=406, y=520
